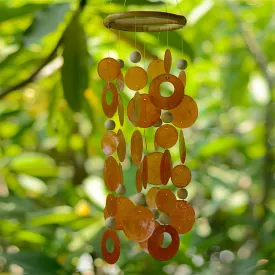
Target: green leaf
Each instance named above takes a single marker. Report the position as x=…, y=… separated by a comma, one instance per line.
x=75, y=69
x=45, y=22
x=30, y=236
x=32, y=184
x=34, y=164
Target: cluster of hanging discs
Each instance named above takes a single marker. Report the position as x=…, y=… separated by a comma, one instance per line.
x=155, y=209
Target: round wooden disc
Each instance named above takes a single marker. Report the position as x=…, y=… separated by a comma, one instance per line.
x=123, y=205
x=166, y=136
x=110, y=109
x=112, y=175
x=165, y=167
x=136, y=78
x=121, y=149
x=120, y=81
x=110, y=257
x=138, y=181
x=108, y=69
x=154, y=162
x=156, y=68
x=154, y=246
x=138, y=223
x=186, y=113
x=182, y=147
x=136, y=147
x=166, y=201
x=120, y=110
x=149, y=113
x=170, y=102
x=181, y=176
x=167, y=61
x=182, y=77
x=109, y=143
x=151, y=197
x=183, y=217
x=111, y=205
x=144, y=172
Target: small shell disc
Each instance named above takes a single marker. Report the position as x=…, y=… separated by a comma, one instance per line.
x=136, y=78
x=109, y=143
x=151, y=197
x=166, y=136
x=144, y=172
x=166, y=201
x=167, y=61
x=165, y=167
x=182, y=77
x=120, y=81
x=111, y=204
x=121, y=149
x=108, y=69
x=120, y=110
x=110, y=109
x=112, y=176
x=182, y=147
x=154, y=162
x=156, y=68
x=181, y=176
x=136, y=147
x=138, y=181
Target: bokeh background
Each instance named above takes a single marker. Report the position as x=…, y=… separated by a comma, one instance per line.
x=51, y=123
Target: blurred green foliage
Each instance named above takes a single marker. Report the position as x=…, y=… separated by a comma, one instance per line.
x=51, y=191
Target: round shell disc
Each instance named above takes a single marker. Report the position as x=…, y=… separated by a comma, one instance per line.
x=156, y=68
x=108, y=69
x=181, y=176
x=138, y=181
x=154, y=246
x=120, y=110
x=166, y=136
x=136, y=147
x=182, y=77
x=123, y=205
x=182, y=147
x=165, y=167
x=110, y=109
x=121, y=174
x=136, y=78
x=183, y=217
x=109, y=143
x=110, y=257
x=138, y=223
x=154, y=162
x=170, y=102
x=186, y=113
x=112, y=176
x=151, y=197
x=144, y=172
x=120, y=81
x=149, y=113
x=121, y=149
x=111, y=205
x=167, y=61
x=166, y=201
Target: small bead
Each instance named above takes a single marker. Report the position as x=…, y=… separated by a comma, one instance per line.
x=135, y=57
x=155, y=213
x=110, y=222
x=121, y=63
x=182, y=194
x=167, y=117
x=121, y=189
x=182, y=64
x=159, y=123
x=164, y=218
x=139, y=199
x=110, y=124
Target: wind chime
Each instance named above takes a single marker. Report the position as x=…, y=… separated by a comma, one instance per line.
x=145, y=219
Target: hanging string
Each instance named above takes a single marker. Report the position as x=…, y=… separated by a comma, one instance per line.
x=119, y=43
x=181, y=13
x=135, y=32
x=144, y=53
x=109, y=33
x=167, y=22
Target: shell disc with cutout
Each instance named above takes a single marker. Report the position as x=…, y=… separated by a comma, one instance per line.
x=110, y=109
x=110, y=257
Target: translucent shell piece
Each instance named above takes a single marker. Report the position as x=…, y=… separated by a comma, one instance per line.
x=166, y=201
x=144, y=172
x=165, y=167
x=108, y=69
x=112, y=175
x=154, y=162
x=167, y=61
x=151, y=197
x=138, y=181
x=186, y=113
x=166, y=136
x=136, y=147
x=181, y=176
x=183, y=217
x=154, y=247
x=170, y=102
x=109, y=143
x=110, y=257
x=111, y=205
x=182, y=77
x=136, y=78
x=134, y=112
x=156, y=68
x=121, y=174
x=120, y=110
x=121, y=148
x=149, y=113
x=120, y=81
x=182, y=147
x=123, y=205
x=138, y=223
x=110, y=109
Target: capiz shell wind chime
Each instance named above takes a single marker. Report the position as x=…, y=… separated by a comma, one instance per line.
x=147, y=218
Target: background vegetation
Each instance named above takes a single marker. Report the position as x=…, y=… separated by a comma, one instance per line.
x=51, y=190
